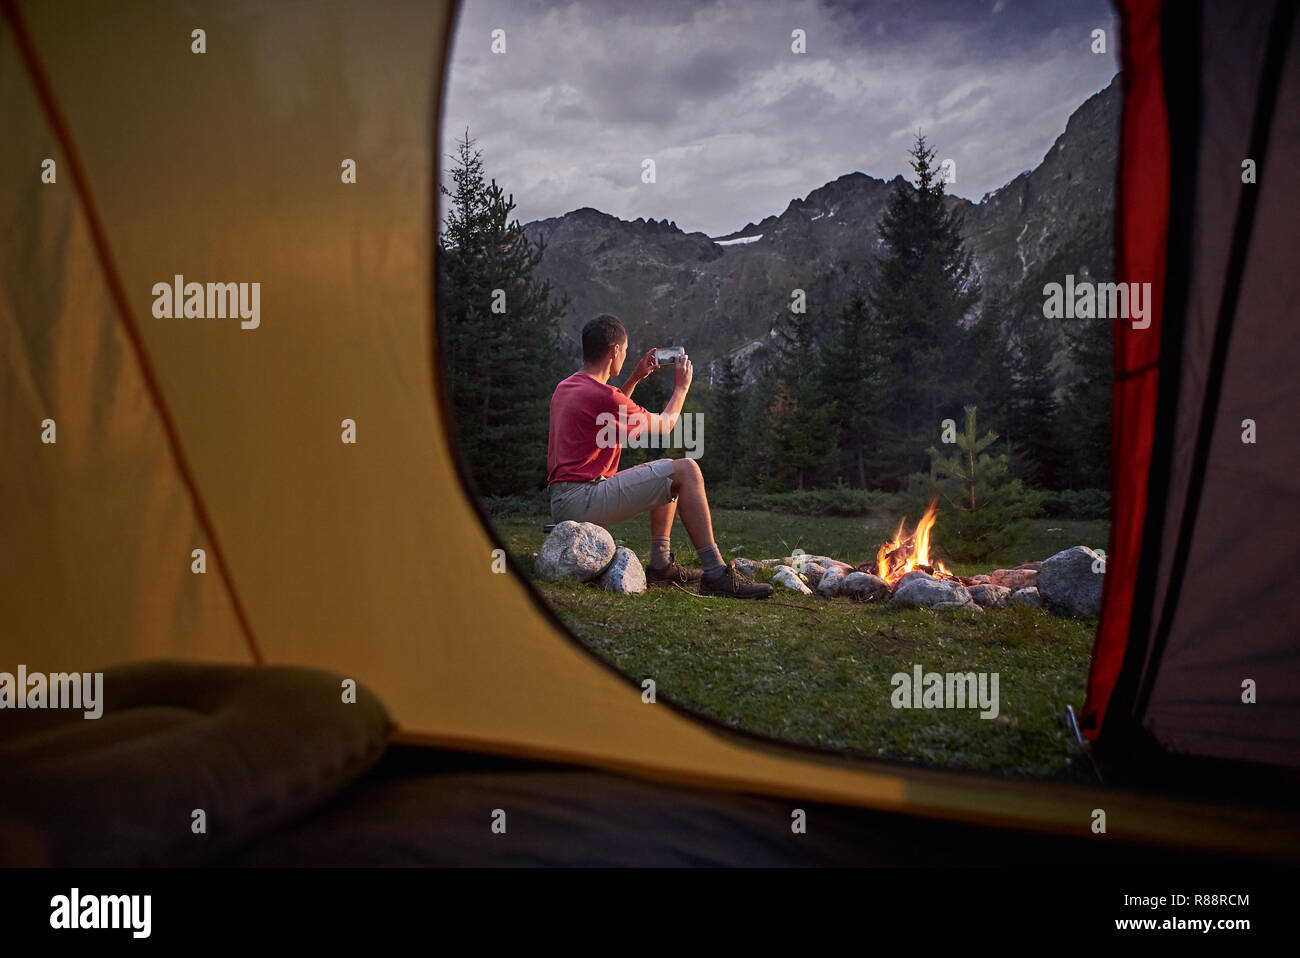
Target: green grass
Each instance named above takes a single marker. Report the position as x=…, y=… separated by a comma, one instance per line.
x=817, y=672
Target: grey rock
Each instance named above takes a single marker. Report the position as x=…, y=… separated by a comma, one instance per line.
x=927, y=592
x=990, y=596
x=796, y=562
x=624, y=574
x=865, y=587
x=790, y=579
x=578, y=551
x=748, y=567
x=969, y=607
x=1068, y=585
x=812, y=571
x=831, y=581
x=1028, y=597
x=914, y=574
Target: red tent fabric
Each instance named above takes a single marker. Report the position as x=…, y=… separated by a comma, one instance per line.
x=1197, y=651
x=1142, y=215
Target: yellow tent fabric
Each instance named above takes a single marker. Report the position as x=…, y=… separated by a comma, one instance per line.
x=367, y=559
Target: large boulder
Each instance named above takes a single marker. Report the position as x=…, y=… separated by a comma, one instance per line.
x=1069, y=585
x=1014, y=579
x=578, y=551
x=624, y=574
x=865, y=587
x=930, y=593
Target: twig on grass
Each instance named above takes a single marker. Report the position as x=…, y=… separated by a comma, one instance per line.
x=765, y=601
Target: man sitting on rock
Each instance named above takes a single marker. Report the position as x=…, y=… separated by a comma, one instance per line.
x=582, y=464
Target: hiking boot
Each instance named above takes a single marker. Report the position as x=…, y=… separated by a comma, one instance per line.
x=671, y=573
x=732, y=584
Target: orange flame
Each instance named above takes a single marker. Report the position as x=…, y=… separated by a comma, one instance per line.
x=903, y=553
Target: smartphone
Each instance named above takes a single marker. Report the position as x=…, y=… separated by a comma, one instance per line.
x=670, y=354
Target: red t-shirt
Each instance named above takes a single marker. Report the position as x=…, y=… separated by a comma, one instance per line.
x=584, y=441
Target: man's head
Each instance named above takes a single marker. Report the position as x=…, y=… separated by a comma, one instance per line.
x=604, y=338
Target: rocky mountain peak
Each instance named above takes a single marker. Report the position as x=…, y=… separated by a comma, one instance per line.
x=721, y=295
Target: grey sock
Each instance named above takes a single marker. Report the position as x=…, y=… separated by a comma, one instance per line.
x=711, y=560
x=659, y=548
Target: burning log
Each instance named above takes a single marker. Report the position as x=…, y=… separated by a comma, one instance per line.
x=905, y=553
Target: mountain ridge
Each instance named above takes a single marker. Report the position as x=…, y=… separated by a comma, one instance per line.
x=671, y=287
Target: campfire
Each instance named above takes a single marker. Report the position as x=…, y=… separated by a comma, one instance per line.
x=904, y=574
x=906, y=552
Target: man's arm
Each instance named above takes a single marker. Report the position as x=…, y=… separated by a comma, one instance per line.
x=664, y=422
x=644, y=368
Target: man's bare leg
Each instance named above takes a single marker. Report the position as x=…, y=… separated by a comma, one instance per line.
x=688, y=486
x=719, y=578
x=688, y=489
x=661, y=530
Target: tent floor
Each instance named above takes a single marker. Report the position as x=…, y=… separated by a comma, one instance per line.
x=422, y=806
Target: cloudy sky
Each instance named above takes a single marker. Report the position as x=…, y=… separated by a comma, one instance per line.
x=737, y=123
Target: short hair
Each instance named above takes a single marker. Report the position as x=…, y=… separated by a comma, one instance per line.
x=598, y=335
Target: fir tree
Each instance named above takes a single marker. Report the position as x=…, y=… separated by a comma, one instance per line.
x=988, y=362
x=924, y=289
x=802, y=442
x=1086, y=405
x=1032, y=412
x=851, y=372
x=755, y=459
x=723, y=445
x=984, y=508
x=498, y=332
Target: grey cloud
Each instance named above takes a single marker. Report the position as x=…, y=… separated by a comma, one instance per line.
x=737, y=124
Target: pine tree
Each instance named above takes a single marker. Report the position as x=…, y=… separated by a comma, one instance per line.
x=984, y=508
x=802, y=441
x=1033, y=424
x=988, y=362
x=756, y=461
x=851, y=373
x=723, y=445
x=498, y=332
x=1032, y=414
x=924, y=289
x=1086, y=406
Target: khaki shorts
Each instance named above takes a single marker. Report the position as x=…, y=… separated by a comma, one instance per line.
x=608, y=501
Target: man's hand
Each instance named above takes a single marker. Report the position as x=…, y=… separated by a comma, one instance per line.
x=644, y=368
x=683, y=373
